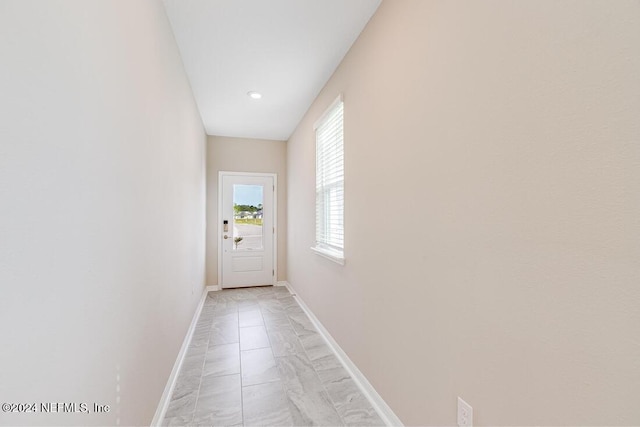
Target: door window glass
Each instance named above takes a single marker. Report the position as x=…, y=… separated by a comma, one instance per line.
x=247, y=217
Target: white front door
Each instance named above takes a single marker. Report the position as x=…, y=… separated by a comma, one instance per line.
x=247, y=229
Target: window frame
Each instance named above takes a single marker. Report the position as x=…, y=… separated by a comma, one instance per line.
x=325, y=248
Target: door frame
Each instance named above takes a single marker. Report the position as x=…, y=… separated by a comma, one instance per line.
x=220, y=233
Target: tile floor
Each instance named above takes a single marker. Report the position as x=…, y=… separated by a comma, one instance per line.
x=256, y=360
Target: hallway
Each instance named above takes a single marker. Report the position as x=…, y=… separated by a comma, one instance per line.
x=456, y=196
x=256, y=359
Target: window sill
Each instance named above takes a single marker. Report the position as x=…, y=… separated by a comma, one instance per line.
x=335, y=256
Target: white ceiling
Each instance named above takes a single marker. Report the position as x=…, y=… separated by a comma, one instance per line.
x=284, y=49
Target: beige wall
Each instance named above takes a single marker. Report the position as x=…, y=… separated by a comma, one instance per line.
x=244, y=155
x=492, y=189
x=102, y=198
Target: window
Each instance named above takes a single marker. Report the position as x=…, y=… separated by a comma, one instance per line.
x=330, y=183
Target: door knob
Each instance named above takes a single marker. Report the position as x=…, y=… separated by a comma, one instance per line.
x=226, y=237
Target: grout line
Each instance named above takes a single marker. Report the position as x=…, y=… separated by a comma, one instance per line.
x=204, y=362
x=240, y=362
x=387, y=415
x=169, y=390
x=210, y=342
x=315, y=371
x=275, y=359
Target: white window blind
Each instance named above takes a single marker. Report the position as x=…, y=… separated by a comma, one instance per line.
x=330, y=180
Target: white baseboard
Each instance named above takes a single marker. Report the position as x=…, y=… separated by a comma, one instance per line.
x=161, y=410
x=378, y=403
x=284, y=283
x=214, y=288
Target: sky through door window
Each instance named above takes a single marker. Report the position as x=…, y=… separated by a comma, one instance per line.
x=330, y=182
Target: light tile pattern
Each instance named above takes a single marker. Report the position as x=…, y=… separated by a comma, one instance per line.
x=256, y=360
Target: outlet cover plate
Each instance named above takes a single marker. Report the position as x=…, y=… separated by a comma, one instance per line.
x=465, y=414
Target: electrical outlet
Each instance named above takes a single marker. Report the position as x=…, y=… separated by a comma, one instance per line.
x=465, y=414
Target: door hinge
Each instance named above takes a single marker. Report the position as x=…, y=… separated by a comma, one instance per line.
x=273, y=272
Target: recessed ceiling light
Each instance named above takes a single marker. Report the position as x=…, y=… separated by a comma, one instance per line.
x=254, y=95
